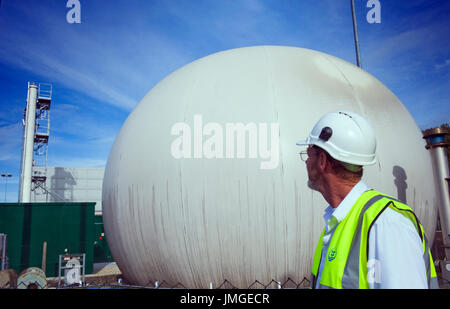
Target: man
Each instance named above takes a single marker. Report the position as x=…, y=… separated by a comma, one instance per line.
x=370, y=240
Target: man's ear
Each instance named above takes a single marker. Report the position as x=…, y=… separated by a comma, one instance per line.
x=322, y=162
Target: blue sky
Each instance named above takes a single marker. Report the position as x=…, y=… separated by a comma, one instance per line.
x=100, y=69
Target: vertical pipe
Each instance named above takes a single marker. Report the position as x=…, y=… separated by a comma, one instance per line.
x=59, y=271
x=44, y=257
x=437, y=146
x=4, y=238
x=84, y=269
x=355, y=34
x=6, y=184
x=27, y=155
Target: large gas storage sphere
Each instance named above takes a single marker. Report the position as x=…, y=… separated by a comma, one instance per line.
x=204, y=182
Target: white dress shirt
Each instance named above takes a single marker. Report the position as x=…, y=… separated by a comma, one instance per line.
x=395, y=247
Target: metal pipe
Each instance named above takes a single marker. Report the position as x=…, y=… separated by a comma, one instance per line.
x=4, y=239
x=27, y=155
x=6, y=185
x=355, y=34
x=44, y=257
x=438, y=148
x=84, y=269
x=6, y=175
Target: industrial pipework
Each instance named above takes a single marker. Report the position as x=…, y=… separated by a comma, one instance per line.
x=28, y=144
x=437, y=146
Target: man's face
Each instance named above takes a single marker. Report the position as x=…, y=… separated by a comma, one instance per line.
x=311, y=167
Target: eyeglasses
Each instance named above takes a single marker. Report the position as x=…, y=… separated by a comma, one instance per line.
x=303, y=155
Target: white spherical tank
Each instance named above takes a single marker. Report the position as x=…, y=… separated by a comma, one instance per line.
x=204, y=182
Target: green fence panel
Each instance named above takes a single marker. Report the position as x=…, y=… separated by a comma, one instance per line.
x=62, y=225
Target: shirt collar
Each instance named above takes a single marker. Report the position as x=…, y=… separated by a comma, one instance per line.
x=344, y=207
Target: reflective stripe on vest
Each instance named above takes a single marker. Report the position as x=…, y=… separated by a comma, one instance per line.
x=346, y=258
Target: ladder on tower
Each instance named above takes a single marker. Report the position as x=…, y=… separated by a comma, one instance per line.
x=41, y=137
x=44, y=96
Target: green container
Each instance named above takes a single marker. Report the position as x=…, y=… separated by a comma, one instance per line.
x=62, y=225
x=102, y=254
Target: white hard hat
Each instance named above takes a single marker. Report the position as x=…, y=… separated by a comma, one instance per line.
x=346, y=136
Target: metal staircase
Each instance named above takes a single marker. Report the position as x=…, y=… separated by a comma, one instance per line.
x=42, y=134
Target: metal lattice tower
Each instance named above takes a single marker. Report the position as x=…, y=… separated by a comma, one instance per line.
x=35, y=143
x=42, y=124
x=41, y=136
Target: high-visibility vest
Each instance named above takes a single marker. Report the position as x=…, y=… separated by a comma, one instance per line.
x=347, y=256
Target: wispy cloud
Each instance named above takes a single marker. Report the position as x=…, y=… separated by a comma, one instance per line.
x=445, y=64
x=75, y=121
x=122, y=49
x=10, y=143
x=116, y=70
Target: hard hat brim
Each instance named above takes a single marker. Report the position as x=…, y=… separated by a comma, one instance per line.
x=305, y=142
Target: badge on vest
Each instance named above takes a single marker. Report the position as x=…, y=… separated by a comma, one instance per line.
x=331, y=255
